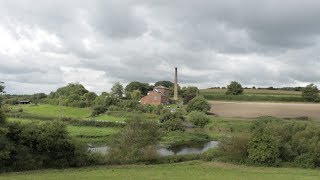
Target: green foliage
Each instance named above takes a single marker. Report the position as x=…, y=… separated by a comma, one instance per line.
x=1, y=87
x=235, y=148
x=135, y=95
x=180, y=138
x=197, y=118
x=117, y=90
x=174, y=125
x=34, y=146
x=311, y=93
x=234, y=88
x=2, y=117
x=136, y=142
x=96, y=110
x=198, y=103
x=189, y=93
x=167, y=84
x=142, y=87
x=74, y=95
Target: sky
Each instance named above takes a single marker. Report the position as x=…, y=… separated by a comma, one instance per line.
x=48, y=44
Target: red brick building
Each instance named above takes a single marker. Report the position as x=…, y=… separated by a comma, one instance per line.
x=159, y=95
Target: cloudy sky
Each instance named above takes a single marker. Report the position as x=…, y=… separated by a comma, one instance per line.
x=47, y=44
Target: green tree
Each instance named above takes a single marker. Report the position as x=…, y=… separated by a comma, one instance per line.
x=135, y=95
x=136, y=142
x=1, y=91
x=197, y=118
x=117, y=90
x=189, y=93
x=311, y=93
x=167, y=84
x=234, y=88
x=1, y=87
x=135, y=85
x=198, y=103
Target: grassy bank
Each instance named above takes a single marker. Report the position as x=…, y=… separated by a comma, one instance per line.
x=254, y=95
x=186, y=170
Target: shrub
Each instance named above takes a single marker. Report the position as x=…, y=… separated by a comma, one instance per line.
x=198, y=119
x=234, y=88
x=198, y=103
x=311, y=93
x=174, y=125
x=96, y=110
x=136, y=142
x=44, y=145
x=235, y=148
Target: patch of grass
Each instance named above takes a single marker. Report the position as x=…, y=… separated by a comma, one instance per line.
x=185, y=170
x=106, y=117
x=85, y=131
x=54, y=111
x=221, y=126
x=19, y=120
x=254, y=95
x=128, y=115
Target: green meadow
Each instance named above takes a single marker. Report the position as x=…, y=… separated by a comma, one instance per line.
x=254, y=95
x=185, y=170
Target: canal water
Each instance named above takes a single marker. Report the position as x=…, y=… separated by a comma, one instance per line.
x=163, y=151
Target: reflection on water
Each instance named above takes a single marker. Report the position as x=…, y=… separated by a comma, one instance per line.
x=187, y=150
x=162, y=151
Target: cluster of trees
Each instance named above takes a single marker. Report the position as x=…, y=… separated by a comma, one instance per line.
x=74, y=95
x=38, y=145
x=274, y=142
x=310, y=93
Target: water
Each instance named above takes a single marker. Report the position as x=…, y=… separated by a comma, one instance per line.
x=187, y=149
x=162, y=151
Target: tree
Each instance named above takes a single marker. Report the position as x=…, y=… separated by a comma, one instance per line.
x=136, y=141
x=167, y=84
x=135, y=95
x=198, y=103
x=311, y=93
x=189, y=93
x=1, y=87
x=199, y=119
x=234, y=88
x=117, y=89
x=135, y=85
x=1, y=91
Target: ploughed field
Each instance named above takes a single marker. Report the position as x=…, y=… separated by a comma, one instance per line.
x=256, y=109
x=186, y=170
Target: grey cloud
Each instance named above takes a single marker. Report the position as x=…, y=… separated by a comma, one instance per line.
x=262, y=43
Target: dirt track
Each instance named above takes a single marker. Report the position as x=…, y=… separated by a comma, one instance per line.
x=256, y=109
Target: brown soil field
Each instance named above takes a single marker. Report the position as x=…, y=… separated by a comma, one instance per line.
x=257, y=109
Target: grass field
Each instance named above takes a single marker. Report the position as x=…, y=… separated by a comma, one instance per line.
x=106, y=117
x=254, y=95
x=55, y=111
x=86, y=131
x=186, y=170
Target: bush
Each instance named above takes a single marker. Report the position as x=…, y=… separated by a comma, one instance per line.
x=235, y=148
x=45, y=145
x=311, y=93
x=174, y=125
x=198, y=103
x=234, y=88
x=198, y=119
x=96, y=110
x=136, y=142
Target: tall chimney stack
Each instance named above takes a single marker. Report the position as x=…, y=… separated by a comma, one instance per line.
x=175, y=96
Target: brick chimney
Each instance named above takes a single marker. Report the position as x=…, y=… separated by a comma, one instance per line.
x=175, y=96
